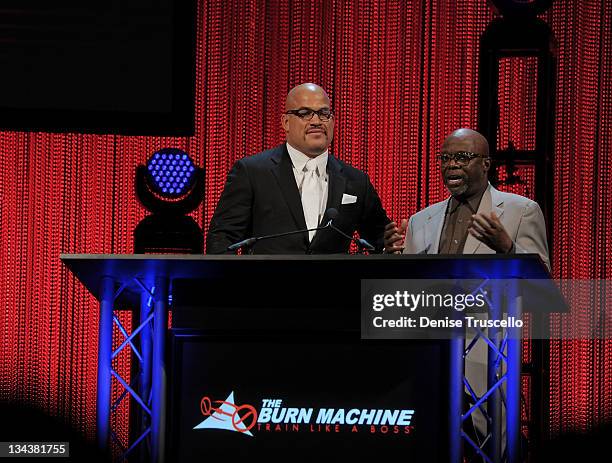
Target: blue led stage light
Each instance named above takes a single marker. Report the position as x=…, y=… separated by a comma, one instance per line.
x=171, y=172
x=170, y=186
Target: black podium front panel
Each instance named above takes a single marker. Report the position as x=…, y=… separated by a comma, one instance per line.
x=298, y=396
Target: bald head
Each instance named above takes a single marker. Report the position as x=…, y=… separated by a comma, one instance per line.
x=476, y=140
x=310, y=135
x=469, y=178
x=307, y=90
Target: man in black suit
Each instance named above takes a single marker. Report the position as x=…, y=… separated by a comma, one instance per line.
x=291, y=187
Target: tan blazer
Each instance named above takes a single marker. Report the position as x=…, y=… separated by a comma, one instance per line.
x=521, y=217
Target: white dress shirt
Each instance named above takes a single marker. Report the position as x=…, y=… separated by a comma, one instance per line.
x=319, y=163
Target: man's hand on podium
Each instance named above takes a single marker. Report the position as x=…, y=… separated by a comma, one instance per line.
x=394, y=237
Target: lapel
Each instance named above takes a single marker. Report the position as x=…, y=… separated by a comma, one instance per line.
x=282, y=169
x=335, y=189
x=491, y=202
x=337, y=184
x=433, y=228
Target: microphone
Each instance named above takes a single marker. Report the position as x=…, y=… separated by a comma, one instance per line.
x=332, y=213
x=251, y=241
x=240, y=244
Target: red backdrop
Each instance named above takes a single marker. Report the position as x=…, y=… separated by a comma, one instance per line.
x=401, y=74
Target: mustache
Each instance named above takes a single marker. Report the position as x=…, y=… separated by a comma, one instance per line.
x=455, y=174
x=454, y=171
x=316, y=128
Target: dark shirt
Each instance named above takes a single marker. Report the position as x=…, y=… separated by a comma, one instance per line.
x=456, y=222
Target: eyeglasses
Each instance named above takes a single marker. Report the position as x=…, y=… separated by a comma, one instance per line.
x=307, y=114
x=462, y=158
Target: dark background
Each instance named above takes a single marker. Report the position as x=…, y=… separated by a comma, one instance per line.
x=100, y=65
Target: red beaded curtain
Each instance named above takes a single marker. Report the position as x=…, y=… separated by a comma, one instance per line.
x=401, y=74
x=581, y=371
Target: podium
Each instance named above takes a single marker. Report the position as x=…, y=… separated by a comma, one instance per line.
x=273, y=305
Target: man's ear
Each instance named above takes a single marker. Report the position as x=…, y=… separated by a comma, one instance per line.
x=486, y=162
x=285, y=122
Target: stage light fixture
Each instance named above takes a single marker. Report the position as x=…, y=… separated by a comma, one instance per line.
x=171, y=174
x=170, y=186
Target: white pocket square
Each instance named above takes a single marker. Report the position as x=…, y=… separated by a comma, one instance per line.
x=348, y=199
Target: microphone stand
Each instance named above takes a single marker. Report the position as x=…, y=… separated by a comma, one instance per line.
x=249, y=242
x=361, y=243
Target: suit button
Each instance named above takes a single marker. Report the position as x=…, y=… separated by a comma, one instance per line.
x=309, y=251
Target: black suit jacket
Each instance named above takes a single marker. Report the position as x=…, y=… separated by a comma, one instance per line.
x=261, y=198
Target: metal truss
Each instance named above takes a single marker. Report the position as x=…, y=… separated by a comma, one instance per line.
x=500, y=442
x=147, y=387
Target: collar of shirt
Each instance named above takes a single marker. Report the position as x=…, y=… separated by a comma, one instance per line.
x=299, y=160
x=473, y=203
